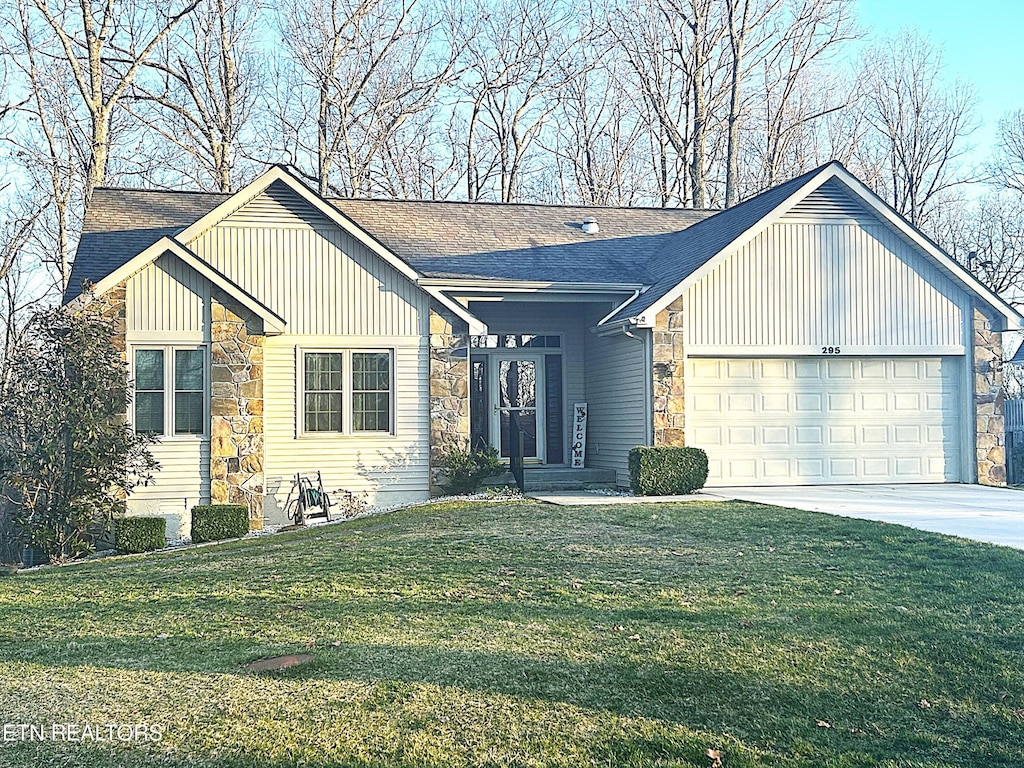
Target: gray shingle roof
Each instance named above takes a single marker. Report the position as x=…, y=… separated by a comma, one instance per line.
x=121, y=223
x=445, y=240
x=521, y=242
x=657, y=247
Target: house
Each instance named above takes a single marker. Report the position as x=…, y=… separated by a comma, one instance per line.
x=808, y=335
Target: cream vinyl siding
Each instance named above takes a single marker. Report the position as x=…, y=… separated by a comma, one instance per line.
x=619, y=418
x=383, y=469
x=311, y=273
x=182, y=482
x=857, y=286
x=167, y=298
x=167, y=304
x=827, y=419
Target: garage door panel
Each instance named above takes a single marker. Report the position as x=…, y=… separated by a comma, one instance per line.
x=841, y=369
x=740, y=369
x=907, y=401
x=840, y=420
x=874, y=434
x=740, y=436
x=907, y=434
x=807, y=369
x=706, y=436
x=773, y=370
x=874, y=402
x=740, y=401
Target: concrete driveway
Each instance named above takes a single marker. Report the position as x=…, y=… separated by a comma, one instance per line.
x=995, y=515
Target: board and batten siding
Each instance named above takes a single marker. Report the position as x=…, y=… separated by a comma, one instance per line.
x=167, y=298
x=800, y=286
x=619, y=418
x=167, y=303
x=320, y=279
x=382, y=469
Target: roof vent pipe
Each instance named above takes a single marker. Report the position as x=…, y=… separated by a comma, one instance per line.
x=590, y=226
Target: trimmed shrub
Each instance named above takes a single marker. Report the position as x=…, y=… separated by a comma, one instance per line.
x=667, y=470
x=219, y=521
x=140, y=534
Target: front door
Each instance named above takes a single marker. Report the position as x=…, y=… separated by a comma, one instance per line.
x=517, y=392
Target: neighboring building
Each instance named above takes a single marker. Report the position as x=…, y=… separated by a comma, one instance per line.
x=808, y=335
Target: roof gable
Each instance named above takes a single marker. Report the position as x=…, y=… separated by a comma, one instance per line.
x=273, y=323
x=278, y=206
x=830, y=191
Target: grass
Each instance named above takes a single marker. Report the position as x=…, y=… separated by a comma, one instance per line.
x=521, y=634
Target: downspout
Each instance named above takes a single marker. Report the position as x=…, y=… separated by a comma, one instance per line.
x=648, y=382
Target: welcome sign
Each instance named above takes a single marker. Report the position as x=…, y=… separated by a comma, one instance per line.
x=579, y=434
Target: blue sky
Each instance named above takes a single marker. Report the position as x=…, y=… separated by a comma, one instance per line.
x=983, y=42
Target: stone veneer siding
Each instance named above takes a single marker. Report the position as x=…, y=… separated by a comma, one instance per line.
x=988, y=403
x=236, y=409
x=449, y=388
x=669, y=389
x=111, y=308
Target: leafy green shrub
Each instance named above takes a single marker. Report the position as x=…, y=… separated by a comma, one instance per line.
x=140, y=534
x=219, y=521
x=69, y=458
x=666, y=470
x=466, y=470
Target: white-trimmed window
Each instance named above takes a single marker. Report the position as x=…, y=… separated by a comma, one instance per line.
x=170, y=390
x=347, y=391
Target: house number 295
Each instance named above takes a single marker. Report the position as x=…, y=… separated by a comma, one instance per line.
x=830, y=350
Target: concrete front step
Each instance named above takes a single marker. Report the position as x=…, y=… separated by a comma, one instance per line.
x=560, y=479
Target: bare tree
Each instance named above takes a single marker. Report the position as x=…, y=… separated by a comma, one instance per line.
x=21, y=291
x=674, y=49
x=597, y=140
x=199, y=92
x=48, y=145
x=362, y=68
x=795, y=122
x=920, y=122
x=104, y=45
x=749, y=34
x=987, y=237
x=1007, y=169
x=518, y=56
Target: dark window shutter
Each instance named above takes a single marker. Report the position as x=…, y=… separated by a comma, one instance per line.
x=479, y=408
x=553, y=408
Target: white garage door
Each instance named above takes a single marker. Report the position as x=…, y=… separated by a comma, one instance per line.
x=825, y=420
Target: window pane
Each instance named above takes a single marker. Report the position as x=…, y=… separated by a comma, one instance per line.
x=188, y=370
x=149, y=369
x=371, y=391
x=149, y=391
x=149, y=413
x=370, y=412
x=188, y=413
x=371, y=371
x=323, y=412
x=323, y=371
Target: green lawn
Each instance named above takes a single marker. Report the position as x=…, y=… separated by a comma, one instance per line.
x=521, y=634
